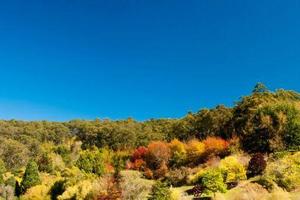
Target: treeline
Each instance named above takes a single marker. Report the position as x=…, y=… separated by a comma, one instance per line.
x=264, y=121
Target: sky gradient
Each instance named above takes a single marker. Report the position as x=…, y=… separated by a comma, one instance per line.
x=61, y=59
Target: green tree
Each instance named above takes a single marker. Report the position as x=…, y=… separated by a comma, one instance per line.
x=91, y=161
x=260, y=88
x=211, y=181
x=31, y=177
x=160, y=191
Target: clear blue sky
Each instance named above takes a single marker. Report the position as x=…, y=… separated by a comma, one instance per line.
x=65, y=59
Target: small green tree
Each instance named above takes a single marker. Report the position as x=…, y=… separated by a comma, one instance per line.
x=160, y=191
x=31, y=177
x=260, y=88
x=91, y=162
x=119, y=162
x=212, y=181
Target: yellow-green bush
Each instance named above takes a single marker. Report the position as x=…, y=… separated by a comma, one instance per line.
x=211, y=180
x=178, y=153
x=232, y=169
x=78, y=191
x=39, y=192
x=286, y=171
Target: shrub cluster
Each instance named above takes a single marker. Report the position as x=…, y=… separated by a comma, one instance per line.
x=159, y=157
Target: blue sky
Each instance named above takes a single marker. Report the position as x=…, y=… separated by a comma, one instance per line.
x=63, y=59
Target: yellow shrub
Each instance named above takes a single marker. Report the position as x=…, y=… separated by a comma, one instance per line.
x=80, y=190
x=195, y=150
x=39, y=192
x=232, y=169
x=178, y=153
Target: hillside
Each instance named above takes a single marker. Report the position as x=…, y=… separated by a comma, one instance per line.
x=248, y=151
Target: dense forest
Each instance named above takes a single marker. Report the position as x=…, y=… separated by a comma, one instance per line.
x=248, y=151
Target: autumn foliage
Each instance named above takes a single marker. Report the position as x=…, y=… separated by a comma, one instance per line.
x=159, y=157
x=157, y=154
x=195, y=150
x=215, y=146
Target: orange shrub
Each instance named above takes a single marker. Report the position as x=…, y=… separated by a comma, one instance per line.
x=148, y=173
x=195, y=150
x=215, y=145
x=138, y=164
x=158, y=152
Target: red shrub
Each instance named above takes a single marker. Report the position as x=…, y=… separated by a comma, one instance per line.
x=139, y=153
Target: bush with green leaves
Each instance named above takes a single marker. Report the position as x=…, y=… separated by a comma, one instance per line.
x=160, y=191
x=65, y=152
x=276, y=127
x=91, y=161
x=285, y=172
x=45, y=163
x=233, y=171
x=211, y=180
x=31, y=176
x=11, y=181
x=119, y=160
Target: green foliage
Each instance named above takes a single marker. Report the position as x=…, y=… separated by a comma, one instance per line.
x=65, y=152
x=267, y=121
x=260, y=88
x=31, y=177
x=212, y=181
x=13, y=153
x=45, y=163
x=233, y=171
x=91, y=161
x=119, y=162
x=213, y=122
x=160, y=191
x=11, y=181
x=285, y=171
